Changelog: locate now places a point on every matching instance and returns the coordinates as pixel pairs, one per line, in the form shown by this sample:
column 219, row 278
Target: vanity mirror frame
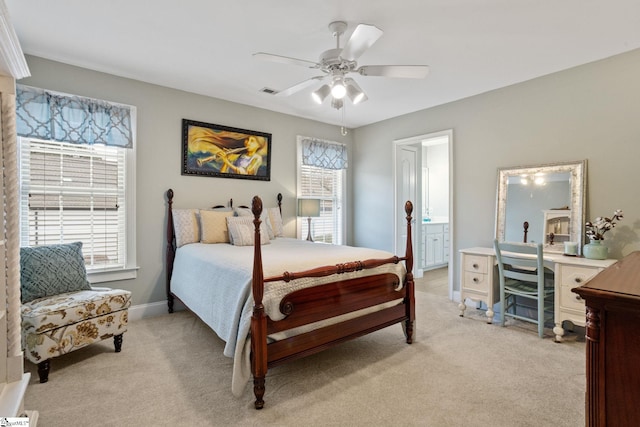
column 577, row 172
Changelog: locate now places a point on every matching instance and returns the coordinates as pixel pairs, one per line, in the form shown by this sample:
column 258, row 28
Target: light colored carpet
column 459, row 372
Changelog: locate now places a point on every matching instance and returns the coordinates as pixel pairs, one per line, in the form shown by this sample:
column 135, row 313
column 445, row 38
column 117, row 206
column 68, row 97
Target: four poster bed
column 245, row 290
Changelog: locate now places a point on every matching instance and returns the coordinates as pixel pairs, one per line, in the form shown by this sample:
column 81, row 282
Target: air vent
column 269, row 91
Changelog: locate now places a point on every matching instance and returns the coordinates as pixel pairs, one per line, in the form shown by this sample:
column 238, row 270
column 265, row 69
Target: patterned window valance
column 324, row 154
column 59, row 117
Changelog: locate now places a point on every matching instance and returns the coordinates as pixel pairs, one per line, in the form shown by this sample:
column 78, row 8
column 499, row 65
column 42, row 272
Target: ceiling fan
column 338, row 63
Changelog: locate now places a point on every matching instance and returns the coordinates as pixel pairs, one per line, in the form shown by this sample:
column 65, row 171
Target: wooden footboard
column 326, row 301
column 366, row 303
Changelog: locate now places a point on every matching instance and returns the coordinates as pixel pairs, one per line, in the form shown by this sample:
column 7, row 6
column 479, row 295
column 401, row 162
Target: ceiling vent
column 269, row 91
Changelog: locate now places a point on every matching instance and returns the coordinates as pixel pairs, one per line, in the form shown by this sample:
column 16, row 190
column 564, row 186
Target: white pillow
column 275, row 219
column 185, row 226
column 264, row 217
column 214, row 226
column 242, row 231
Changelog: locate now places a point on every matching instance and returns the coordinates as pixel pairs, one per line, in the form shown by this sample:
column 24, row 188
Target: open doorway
column 423, row 174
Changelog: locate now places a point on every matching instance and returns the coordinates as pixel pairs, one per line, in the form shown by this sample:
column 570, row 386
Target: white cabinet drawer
column 573, row 276
column 433, row 228
column 476, row 282
column 571, row 300
column 475, row 264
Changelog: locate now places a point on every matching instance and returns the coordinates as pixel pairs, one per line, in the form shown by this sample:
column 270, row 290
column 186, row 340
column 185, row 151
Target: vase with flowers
column 595, row 232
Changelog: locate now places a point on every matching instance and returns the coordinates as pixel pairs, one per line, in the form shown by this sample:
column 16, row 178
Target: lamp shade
column 320, row 94
column 355, row 94
column 308, row 207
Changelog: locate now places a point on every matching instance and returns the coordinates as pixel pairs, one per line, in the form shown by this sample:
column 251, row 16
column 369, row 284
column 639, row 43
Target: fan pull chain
column 343, row 129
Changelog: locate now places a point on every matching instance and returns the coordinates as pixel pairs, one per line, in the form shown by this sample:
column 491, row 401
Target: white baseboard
column 12, row 396
column 140, row 311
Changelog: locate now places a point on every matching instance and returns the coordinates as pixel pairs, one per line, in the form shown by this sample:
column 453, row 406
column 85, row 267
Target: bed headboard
column 171, row 239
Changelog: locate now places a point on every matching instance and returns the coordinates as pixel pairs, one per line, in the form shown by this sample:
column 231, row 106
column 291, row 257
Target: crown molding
column 12, row 60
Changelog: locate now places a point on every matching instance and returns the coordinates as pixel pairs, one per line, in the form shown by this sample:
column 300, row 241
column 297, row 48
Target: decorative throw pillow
column 275, row 219
column 243, row 212
column 264, row 217
column 185, row 226
column 52, row 270
column 214, row 226
column 242, row 231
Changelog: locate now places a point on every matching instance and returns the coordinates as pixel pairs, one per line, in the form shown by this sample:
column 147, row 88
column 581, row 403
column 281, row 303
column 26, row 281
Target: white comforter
column 214, row 281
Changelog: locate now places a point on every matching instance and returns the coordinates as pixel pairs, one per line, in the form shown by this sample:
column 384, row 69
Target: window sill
column 99, row 276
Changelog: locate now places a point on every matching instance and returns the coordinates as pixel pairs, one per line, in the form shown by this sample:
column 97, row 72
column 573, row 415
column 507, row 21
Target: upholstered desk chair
column 61, row 312
column 522, row 275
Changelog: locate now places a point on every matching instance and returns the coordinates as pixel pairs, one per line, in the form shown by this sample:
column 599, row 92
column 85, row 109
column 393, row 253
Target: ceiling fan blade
column 399, row 71
column 362, row 38
column 285, row 60
column 298, row 87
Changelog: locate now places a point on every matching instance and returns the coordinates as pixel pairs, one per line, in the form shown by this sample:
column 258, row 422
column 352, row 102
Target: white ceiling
column 206, row 46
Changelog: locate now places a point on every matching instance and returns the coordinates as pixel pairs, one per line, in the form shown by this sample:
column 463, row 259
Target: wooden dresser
column 613, row 344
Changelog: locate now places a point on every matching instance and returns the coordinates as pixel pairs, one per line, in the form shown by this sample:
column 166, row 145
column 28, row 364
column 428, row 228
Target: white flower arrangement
column 595, row 230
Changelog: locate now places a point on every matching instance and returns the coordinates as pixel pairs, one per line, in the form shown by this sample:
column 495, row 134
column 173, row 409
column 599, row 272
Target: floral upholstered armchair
column 61, row 312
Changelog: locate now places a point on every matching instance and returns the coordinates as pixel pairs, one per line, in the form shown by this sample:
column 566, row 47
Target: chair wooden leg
column 117, row 342
column 43, row 370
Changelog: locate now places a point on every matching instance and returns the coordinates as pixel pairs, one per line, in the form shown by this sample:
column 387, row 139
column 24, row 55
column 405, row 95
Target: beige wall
column 160, row 113
column 589, row 112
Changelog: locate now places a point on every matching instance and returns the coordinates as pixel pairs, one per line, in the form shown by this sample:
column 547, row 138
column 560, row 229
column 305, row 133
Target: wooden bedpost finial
column 408, row 207
column 256, row 206
column 170, row 195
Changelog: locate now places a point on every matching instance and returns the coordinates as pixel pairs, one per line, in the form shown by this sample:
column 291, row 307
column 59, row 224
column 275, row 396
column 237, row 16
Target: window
column 324, row 180
column 72, row 191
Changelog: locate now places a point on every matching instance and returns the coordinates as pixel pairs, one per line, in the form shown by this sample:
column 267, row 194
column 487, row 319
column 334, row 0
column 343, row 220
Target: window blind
column 72, row 192
column 326, row 185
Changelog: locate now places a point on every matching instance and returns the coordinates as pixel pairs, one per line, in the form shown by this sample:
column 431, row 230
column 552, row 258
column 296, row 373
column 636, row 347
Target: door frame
column 417, row 209
column 399, row 206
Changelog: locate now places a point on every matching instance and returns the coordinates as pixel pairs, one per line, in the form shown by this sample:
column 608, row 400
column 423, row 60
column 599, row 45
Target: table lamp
column 309, row 208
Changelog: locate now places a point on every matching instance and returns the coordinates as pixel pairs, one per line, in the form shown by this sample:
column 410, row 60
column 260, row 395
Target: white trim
column 12, row 396
column 100, row 276
column 414, row 140
column 12, row 60
column 143, row 311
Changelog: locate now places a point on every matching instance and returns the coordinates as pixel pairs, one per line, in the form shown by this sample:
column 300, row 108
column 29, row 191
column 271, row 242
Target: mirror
column 550, row 198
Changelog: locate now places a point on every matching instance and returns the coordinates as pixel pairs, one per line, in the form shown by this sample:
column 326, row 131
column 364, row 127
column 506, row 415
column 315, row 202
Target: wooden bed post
column 280, row 203
column 171, row 254
column 258, row 319
column 410, row 297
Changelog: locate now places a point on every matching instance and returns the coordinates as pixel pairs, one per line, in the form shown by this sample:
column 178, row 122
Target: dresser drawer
column 571, row 300
column 476, row 281
column 475, row 264
column 573, row 276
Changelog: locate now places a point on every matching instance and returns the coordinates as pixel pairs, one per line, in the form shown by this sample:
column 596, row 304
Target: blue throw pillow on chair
column 52, row 270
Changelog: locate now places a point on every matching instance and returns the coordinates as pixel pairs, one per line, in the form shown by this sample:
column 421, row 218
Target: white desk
column 479, row 282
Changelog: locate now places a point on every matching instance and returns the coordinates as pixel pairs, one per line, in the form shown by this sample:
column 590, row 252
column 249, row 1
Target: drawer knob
column 578, row 298
column 578, row 280
column 475, row 265
column 475, row 280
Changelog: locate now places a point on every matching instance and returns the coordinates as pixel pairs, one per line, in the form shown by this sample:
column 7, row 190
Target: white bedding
column 214, row 281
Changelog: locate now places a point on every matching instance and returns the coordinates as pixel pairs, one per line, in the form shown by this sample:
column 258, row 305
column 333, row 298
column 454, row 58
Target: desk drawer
column 476, row 281
column 475, row 264
column 571, row 300
column 573, row 276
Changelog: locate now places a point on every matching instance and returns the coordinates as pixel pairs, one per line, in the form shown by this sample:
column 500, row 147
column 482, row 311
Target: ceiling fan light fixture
column 337, row 103
column 320, row 94
column 338, row 89
column 354, row 92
